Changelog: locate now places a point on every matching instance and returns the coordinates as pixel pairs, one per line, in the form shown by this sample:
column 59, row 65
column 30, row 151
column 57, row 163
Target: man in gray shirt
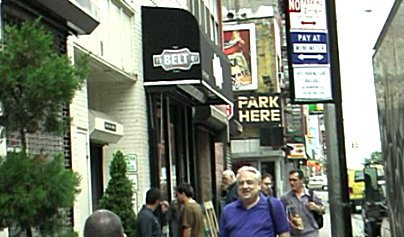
column 300, row 206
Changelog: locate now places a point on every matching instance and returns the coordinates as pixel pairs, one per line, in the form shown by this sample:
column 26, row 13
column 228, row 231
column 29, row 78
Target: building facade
column 109, row 111
column 140, row 98
column 158, row 90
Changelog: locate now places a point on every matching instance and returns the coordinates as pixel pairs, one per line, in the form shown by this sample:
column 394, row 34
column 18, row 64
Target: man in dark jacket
column 148, row 221
column 230, row 184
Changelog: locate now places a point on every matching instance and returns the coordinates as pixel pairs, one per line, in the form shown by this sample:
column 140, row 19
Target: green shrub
column 118, row 195
column 33, row 192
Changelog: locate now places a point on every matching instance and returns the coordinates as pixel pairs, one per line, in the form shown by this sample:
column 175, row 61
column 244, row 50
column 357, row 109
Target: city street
column 357, row 224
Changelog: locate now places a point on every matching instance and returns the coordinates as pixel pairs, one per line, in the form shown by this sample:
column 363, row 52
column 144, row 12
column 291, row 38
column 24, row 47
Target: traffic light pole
column 338, row 193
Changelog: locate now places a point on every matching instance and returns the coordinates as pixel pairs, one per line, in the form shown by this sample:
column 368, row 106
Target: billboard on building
column 240, row 48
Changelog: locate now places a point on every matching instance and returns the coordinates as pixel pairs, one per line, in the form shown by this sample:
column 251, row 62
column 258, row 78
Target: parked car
column 318, row 182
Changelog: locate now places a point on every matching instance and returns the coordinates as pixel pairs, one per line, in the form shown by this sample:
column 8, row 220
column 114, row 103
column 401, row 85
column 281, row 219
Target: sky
column 359, row 23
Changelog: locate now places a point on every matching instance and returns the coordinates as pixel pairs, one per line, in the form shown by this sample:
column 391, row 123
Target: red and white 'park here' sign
column 307, row 14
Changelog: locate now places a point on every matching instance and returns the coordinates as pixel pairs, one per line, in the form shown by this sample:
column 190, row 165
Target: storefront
column 185, row 77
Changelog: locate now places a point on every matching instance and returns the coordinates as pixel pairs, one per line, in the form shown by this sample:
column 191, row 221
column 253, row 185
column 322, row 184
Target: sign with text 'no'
column 307, row 14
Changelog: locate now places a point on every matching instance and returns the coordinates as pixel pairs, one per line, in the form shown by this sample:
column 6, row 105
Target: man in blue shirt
column 250, row 214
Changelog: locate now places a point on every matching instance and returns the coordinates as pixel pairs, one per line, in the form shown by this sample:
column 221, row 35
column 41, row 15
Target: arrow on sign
column 304, row 56
column 308, row 23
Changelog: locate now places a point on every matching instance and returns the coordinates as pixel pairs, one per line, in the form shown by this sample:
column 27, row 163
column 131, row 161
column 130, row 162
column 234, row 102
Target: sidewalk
column 357, row 223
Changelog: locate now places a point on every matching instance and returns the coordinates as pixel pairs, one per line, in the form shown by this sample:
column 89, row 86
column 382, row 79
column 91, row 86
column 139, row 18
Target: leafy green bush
column 33, row 190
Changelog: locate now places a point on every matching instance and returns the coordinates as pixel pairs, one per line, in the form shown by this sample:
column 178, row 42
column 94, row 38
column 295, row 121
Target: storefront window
column 171, row 132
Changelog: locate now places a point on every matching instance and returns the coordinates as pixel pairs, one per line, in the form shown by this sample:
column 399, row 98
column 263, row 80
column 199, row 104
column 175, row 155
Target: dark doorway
column 97, row 186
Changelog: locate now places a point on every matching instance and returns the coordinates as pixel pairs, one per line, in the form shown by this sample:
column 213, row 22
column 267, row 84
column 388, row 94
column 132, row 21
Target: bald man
column 103, row 223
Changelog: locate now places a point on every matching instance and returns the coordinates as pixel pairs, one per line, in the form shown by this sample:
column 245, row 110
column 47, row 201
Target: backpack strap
column 311, row 195
column 271, row 213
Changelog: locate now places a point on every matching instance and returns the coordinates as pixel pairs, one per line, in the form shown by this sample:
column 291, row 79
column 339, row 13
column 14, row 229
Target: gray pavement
column 357, row 224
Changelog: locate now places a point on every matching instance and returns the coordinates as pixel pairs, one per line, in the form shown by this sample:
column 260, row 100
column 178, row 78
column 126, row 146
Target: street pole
column 340, row 212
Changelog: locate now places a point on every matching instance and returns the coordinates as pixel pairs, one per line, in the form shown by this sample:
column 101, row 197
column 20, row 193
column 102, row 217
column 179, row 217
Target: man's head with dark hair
column 185, row 193
column 299, row 173
column 266, row 184
column 186, row 189
column 296, row 180
column 266, row 175
column 153, row 196
column 103, row 223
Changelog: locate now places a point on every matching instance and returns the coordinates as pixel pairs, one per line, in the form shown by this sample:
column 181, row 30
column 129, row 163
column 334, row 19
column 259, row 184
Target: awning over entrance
column 177, row 54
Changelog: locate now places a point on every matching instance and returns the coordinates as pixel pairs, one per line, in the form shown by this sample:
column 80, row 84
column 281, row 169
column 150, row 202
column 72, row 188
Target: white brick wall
column 80, row 151
column 126, row 102
column 141, row 130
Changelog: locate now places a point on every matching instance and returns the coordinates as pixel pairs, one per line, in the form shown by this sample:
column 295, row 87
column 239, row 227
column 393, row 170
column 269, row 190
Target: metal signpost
column 315, row 78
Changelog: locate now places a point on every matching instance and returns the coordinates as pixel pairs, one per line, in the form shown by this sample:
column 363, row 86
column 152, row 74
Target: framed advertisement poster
column 240, row 48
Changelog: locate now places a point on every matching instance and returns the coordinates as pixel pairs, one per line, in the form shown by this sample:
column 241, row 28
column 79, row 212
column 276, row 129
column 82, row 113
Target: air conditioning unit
column 104, row 128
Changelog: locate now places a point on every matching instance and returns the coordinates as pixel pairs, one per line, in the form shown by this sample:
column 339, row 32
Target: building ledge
column 248, row 148
column 80, row 15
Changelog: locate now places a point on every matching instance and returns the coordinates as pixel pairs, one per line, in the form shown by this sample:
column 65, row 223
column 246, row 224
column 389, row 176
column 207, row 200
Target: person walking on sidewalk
column 229, row 185
column 301, row 205
column 266, row 184
column 253, row 214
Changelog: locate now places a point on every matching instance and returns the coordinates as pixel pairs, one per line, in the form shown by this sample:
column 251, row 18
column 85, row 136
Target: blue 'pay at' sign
column 309, row 48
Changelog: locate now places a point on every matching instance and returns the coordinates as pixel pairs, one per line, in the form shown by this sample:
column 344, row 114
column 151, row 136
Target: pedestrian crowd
column 250, row 209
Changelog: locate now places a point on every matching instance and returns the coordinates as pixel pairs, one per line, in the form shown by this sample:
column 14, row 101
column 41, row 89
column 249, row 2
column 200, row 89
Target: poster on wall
column 240, row 48
column 297, row 151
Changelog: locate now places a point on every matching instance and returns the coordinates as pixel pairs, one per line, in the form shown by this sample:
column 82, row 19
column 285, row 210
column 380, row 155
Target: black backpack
column 318, row 217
